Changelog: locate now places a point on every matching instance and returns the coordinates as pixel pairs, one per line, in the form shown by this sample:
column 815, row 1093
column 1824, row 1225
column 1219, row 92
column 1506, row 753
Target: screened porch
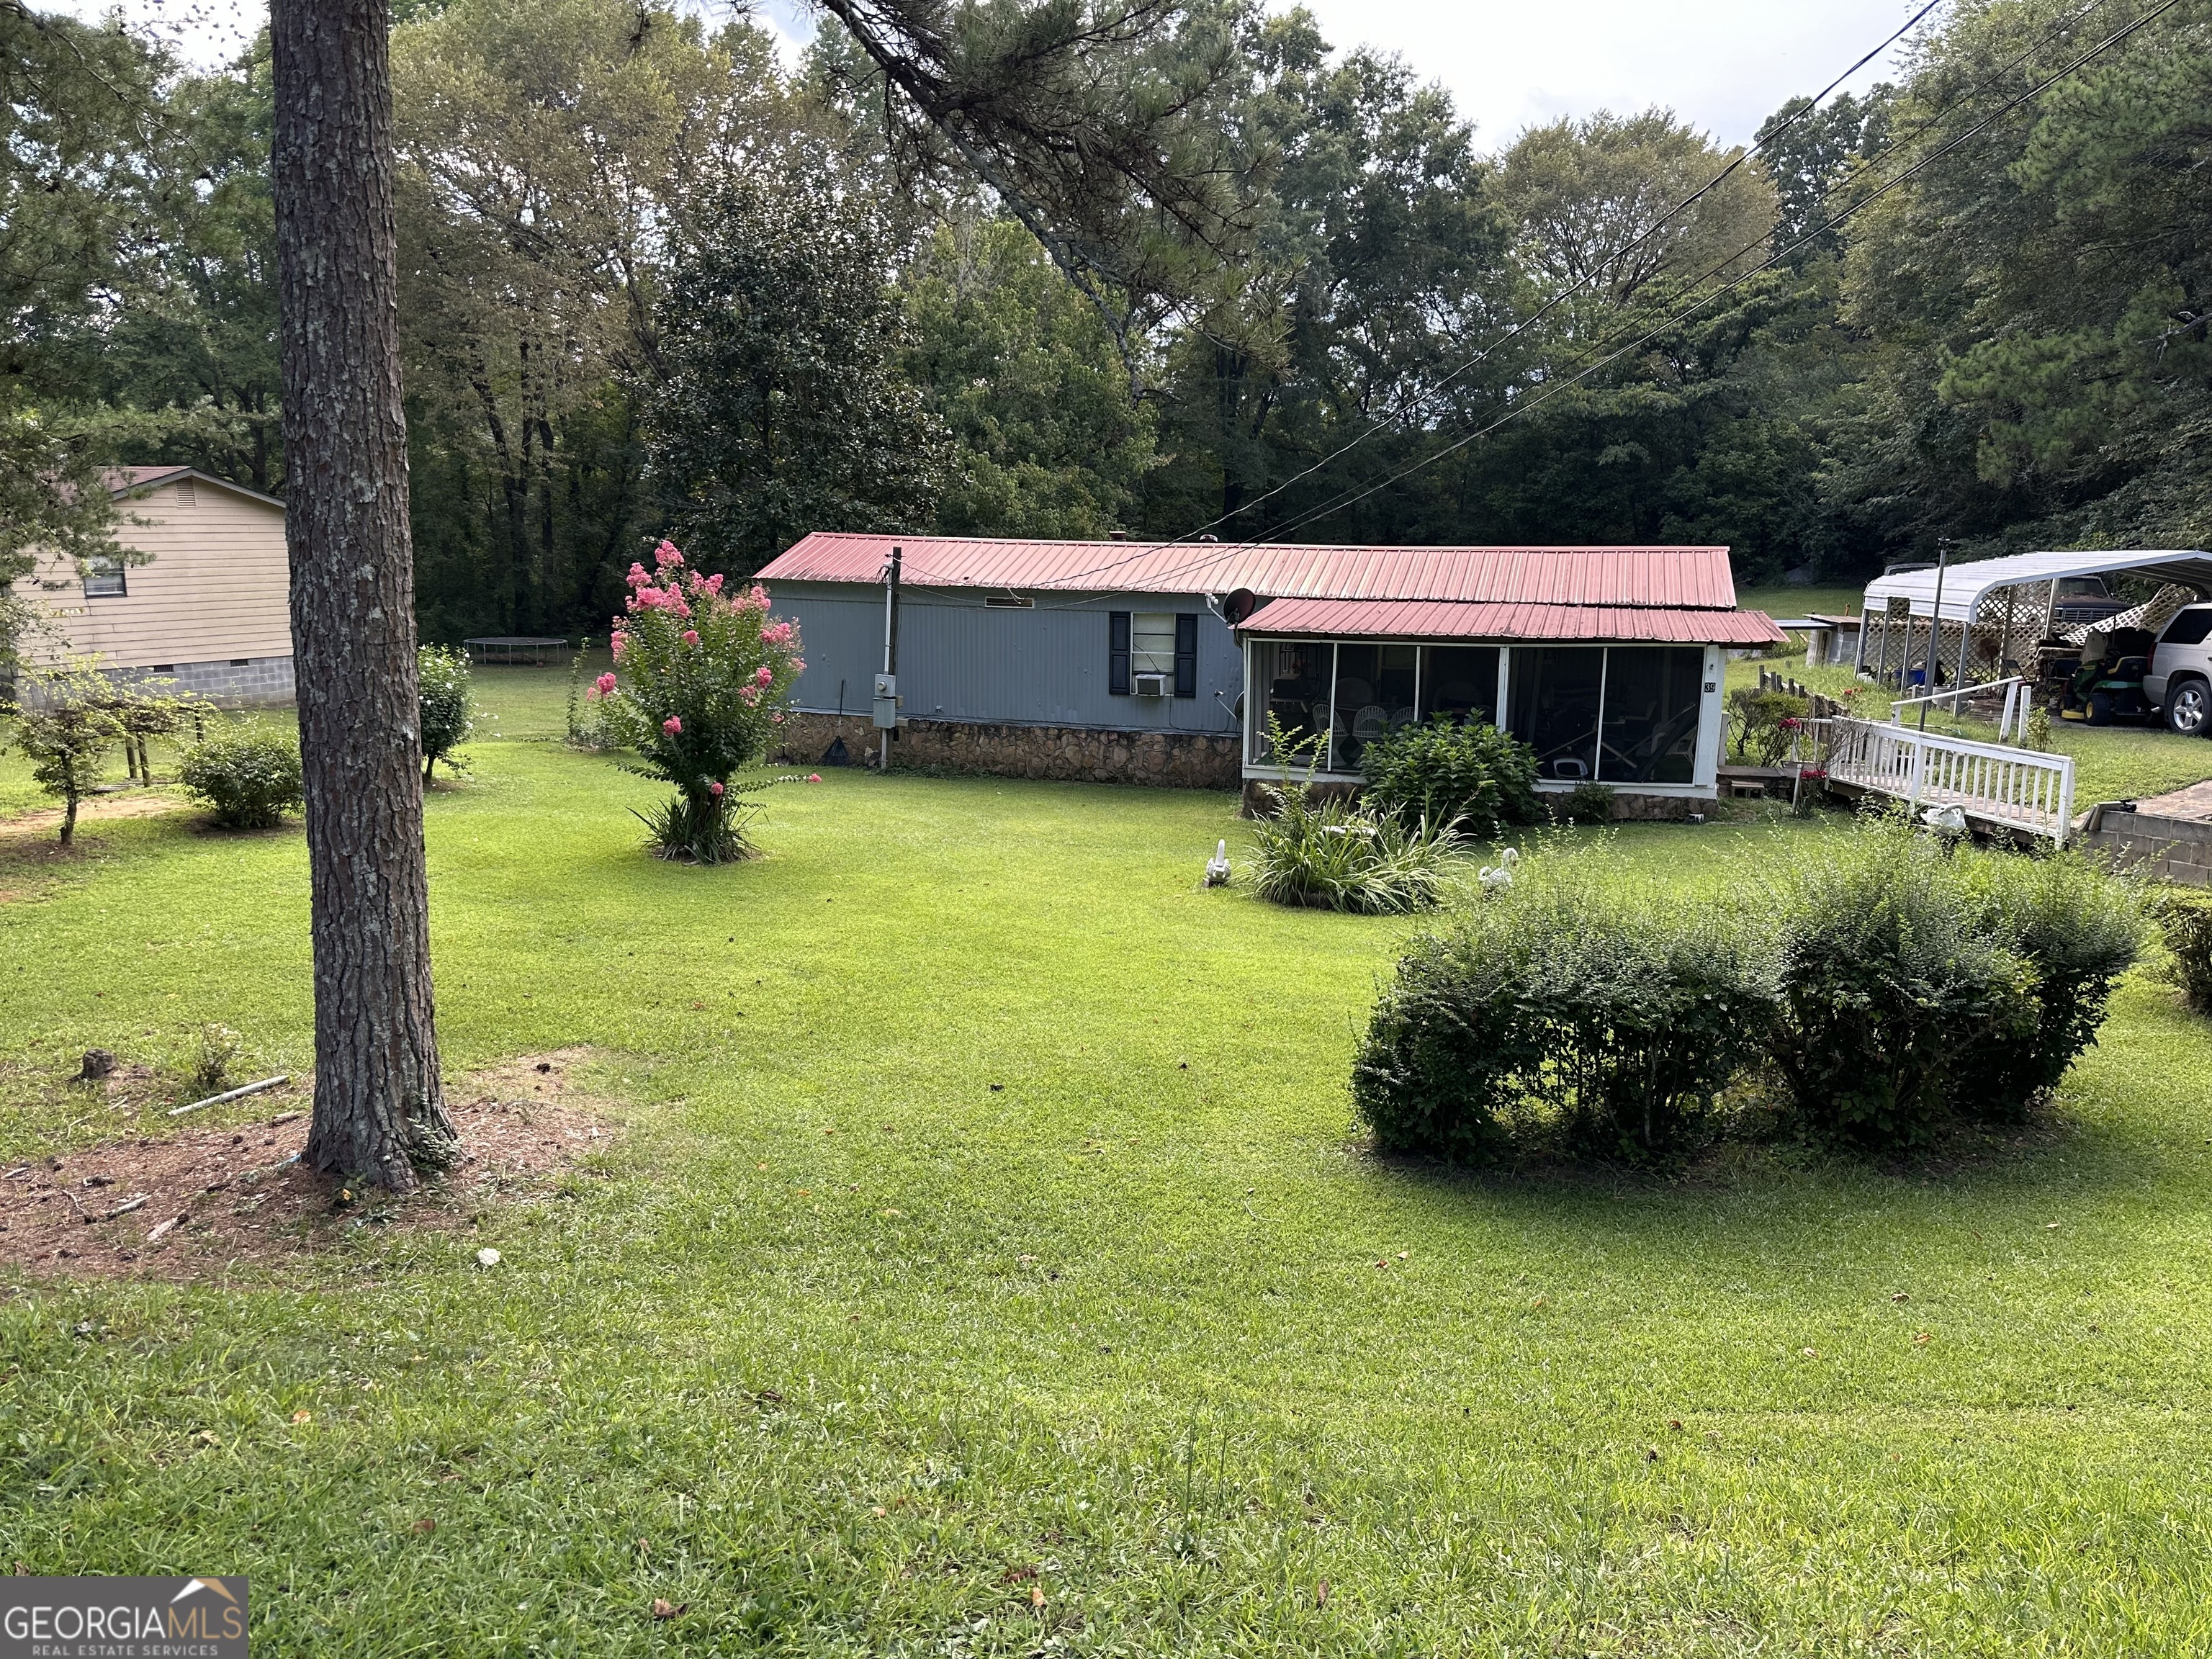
column 1639, row 717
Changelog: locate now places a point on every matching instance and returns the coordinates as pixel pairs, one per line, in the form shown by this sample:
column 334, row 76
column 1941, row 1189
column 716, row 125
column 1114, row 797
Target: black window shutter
column 1187, row 654
column 1117, row 652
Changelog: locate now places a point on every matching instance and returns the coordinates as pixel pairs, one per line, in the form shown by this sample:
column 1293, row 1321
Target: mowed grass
column 990, row 1266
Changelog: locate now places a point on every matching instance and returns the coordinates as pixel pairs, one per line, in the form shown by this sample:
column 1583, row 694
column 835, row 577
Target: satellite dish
column 1239, row 605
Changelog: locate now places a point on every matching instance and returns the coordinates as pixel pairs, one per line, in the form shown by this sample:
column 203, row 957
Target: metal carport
column 1993, row 609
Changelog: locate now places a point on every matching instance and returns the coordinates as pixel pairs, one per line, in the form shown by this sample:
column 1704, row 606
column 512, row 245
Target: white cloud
column 1723, row 65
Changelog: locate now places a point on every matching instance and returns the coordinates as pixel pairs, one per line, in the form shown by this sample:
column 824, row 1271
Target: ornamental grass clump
column 1570, row 1012
column 701, row 680
column 1335, row 855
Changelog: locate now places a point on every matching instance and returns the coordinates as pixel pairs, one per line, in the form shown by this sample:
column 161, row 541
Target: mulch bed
column 195, row 1205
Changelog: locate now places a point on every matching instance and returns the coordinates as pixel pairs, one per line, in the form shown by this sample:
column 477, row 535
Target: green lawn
column 842, row 1340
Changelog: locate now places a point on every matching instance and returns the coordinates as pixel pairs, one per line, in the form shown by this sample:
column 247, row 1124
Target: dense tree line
column 1169, row 268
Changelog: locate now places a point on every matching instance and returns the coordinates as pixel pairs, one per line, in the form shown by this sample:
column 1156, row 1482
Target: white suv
column 2180, row 677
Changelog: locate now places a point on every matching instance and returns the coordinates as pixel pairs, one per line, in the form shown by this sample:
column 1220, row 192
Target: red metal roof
column 1694, row 577
column 1434, row 620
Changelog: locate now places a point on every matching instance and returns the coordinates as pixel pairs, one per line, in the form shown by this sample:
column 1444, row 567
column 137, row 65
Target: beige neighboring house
column 211, row 609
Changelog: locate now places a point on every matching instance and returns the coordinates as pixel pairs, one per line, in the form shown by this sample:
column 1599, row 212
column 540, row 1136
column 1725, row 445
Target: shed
column 209, row 608
column 1118, row 661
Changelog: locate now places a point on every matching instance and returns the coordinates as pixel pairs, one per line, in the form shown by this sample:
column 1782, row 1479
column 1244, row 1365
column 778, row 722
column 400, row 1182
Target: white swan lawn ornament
column 1216, row 867
column 1496, row 878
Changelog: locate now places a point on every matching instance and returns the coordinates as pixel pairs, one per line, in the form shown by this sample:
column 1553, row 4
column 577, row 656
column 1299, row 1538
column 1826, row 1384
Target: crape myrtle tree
column 379, row 1112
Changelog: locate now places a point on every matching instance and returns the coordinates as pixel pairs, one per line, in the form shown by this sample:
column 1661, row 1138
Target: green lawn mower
column 2110, row 690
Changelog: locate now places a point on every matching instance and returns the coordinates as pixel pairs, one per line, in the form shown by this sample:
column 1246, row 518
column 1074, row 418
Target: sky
column 1722, row 64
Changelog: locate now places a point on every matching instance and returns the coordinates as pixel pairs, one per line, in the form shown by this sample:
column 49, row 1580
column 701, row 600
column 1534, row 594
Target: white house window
column 103, row 578
column 1153, row 642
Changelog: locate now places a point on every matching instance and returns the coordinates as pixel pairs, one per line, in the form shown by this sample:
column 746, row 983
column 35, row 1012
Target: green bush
column 1571, row 1009
column 1586, row 803
column 446, row 703
column 1921, row 982
column 2186, row 921
column 1449, row 769
column 1757, row 718
column 1336, row 855
column 247, row 772
column 2077, row 929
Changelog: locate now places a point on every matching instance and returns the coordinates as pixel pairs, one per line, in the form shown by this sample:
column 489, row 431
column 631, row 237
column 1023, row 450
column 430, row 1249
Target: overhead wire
column 1352, row 497
column 1424, row 398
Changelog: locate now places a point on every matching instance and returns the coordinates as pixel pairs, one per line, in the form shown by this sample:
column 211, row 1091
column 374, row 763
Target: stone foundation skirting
column 1184, row 760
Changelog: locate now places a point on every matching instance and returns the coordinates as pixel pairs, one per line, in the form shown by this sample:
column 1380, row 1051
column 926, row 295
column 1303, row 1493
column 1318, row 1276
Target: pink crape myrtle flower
column 776, row 634
column 814, row 777
column 637, row 578
column 605, row 684
column 672, row 725
column 713, row 584
column 691, row 636
column 621, row 643
column 763, row 674
column 666, row 554
column 715, row 790
column 799, row 664
column 758, row 597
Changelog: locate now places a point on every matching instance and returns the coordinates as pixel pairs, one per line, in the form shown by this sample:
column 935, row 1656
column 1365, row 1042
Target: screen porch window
column 1374, row 693
column 1618, row 714
column 1459, row 682
column 1291, row 680
column 103, row 578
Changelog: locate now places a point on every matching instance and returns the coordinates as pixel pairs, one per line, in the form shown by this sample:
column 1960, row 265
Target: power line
column 1604, row 263
column 1352, row 498
column 1414, row 404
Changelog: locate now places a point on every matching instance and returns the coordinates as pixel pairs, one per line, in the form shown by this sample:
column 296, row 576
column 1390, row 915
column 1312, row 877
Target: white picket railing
column 1999, row 785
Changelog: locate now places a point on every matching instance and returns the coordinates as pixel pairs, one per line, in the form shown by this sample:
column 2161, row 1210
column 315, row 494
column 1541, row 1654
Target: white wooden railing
column 2011, row 788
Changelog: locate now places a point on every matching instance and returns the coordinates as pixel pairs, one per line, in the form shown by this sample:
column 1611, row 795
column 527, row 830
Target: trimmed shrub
column 1586, row 803
column 2077, row 929
column 446, row 702
column 1892, row 975
column 1334, row 855
column 1571, row 1010
column 1764, row 722
column 247, row 773
column 1449, row 769
column 2187, row 925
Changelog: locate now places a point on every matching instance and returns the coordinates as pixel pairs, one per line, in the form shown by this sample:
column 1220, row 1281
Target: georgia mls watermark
column 122, row 1619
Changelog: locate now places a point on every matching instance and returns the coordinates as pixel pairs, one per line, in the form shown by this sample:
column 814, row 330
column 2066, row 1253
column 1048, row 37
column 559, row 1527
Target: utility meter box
column 887, row 702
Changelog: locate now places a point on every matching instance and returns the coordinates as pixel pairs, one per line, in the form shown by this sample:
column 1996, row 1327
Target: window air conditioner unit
column 1151, row 685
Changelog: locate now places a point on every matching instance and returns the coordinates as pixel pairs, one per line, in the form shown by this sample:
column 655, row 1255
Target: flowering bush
column 701, row 679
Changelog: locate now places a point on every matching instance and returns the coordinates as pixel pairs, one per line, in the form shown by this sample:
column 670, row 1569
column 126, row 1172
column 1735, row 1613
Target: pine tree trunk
column 379, row 1112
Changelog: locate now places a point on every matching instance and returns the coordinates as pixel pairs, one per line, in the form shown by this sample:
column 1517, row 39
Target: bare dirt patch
column 47, row 820
column 195, row 1205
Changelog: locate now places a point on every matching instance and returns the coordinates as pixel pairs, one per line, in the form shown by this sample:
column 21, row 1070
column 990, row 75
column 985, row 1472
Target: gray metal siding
column 960, row 659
